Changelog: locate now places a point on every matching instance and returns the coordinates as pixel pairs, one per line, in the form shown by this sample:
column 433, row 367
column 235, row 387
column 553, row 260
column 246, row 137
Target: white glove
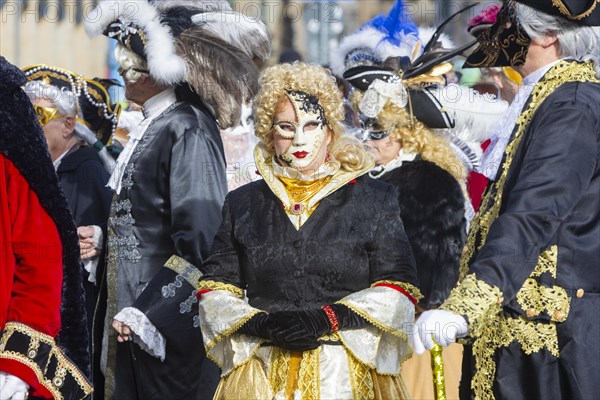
column 440, row 326
column 12, row 388
column 84, row 133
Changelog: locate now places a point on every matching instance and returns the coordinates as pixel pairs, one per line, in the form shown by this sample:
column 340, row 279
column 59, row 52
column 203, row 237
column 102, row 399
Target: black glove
column 347, row 318
column 299, row 330
column 259, row 325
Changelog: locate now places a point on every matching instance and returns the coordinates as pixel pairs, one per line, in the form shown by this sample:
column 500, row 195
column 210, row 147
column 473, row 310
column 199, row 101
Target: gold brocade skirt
column 295, row 376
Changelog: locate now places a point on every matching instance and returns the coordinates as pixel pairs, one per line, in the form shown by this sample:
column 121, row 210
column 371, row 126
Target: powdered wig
column 63, row 99
column 577, row 42
column 315, row 80
column 128, row 59
column 417, row 138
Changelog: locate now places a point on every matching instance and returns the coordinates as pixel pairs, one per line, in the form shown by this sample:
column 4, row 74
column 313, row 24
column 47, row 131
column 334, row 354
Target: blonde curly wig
column 315, row 80
column 418, row 139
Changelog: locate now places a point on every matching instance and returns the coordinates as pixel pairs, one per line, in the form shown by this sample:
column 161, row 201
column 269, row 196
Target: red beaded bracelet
column 333, row 320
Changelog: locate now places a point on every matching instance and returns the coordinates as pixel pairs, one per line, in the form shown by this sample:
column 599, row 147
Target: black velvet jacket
column 172, row 190
column 83, row 179
column 432, row 207
column 354, row 238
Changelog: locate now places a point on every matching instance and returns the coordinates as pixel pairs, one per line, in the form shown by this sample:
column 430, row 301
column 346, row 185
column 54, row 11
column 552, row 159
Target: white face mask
column 307, row 132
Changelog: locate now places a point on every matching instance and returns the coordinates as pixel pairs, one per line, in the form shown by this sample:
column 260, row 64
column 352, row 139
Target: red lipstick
column 300, row 154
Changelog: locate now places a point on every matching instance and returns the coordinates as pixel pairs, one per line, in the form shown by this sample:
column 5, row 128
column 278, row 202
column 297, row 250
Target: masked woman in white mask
column 307, row 293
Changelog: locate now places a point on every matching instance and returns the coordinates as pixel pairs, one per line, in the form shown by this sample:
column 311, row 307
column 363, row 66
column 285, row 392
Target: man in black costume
column 71, row 108
column 191, row 75
column 529, row 293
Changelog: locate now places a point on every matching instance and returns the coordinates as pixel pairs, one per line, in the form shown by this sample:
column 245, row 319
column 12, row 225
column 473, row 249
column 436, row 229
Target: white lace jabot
column 153, row 107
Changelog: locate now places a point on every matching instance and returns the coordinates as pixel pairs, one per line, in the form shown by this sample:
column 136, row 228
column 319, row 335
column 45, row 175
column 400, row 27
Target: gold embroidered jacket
column 531, row 277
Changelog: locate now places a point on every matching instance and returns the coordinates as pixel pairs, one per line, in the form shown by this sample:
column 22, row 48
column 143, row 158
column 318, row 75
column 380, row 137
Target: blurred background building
column 51, row 31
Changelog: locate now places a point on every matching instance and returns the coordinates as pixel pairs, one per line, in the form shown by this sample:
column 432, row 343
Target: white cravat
column 153, row 107
column 503, row 128
column 380, row 170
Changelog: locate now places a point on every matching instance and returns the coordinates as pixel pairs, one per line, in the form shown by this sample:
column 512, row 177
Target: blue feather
column 395, row 26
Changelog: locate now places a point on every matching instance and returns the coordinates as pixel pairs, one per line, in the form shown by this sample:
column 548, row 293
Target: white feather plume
column 164, row 64
column 365, row 38
column 374, row 40
column 248, row 34
column 473, row 113
column 426, row 32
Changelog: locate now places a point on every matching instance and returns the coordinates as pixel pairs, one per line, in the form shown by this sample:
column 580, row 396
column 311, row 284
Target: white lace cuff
column 383, row 344
column 146, row 335
column 221, row 315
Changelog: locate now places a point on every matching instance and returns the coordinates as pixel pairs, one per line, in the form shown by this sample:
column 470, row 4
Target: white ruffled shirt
column 503, row 128
column 153, row 107
column 144, row 332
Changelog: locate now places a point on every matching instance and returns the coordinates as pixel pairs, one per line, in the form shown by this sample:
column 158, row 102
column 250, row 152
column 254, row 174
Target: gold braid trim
column 380, row 325
column 360, row 378
column 565, row 11
column 498, row 332
column 64, row 365
column 14, row 326
column 283, row 376
column 47, row 383
column 216, row 285
column 411, row 289
column 231, row 330
column 547, row 262
column 401, row 361
column 535, row 299
column 309, row 379
column 187, row 270
column 280, row 364
column 473, row 298
column 559, row 74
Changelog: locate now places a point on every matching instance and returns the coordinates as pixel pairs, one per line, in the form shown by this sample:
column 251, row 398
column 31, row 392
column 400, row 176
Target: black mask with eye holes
column 372, row 128
column 503, row 44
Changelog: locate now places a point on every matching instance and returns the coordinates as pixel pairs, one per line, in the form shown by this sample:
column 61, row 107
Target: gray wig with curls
column 581, row 43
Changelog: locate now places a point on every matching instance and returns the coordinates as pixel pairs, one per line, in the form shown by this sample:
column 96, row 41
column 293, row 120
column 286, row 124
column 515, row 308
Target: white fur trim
column 373, row 39
column 164, row 64
column 368, row 38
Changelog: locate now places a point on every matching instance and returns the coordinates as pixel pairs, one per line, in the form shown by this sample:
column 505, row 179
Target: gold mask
column 45, row 114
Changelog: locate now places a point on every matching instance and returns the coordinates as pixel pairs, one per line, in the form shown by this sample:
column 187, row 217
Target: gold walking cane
column 437, row 368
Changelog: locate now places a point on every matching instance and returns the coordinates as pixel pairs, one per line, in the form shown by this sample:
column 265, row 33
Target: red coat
column 476, row 183
column 31, row 271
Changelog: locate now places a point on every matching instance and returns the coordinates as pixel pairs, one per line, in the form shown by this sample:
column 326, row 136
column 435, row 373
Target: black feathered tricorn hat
column 91, row 98
column 409, row 83
column 581, row 12
column 202, row 43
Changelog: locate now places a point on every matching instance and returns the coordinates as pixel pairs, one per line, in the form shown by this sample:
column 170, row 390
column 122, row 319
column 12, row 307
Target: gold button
column 580, row 293
column 558, row 316
column 530, row 312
